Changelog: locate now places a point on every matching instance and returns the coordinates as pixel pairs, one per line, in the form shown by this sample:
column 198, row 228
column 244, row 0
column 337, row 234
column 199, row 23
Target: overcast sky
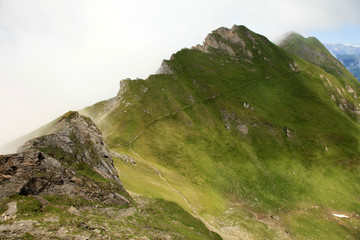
column 61, row 55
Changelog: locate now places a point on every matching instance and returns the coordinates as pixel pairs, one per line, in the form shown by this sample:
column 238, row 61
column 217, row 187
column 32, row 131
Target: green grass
column 154, row 219
column 85, row 170
column 214, row 167
column 28, row 236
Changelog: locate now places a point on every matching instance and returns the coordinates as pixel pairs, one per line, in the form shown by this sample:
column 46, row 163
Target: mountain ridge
column 348, row 55
column 202, row 88
column 258, row 141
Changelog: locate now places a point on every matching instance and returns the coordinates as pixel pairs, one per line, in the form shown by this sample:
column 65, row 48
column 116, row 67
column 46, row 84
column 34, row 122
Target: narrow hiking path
column 168, row 115
column 225, row 236
column 195, row 213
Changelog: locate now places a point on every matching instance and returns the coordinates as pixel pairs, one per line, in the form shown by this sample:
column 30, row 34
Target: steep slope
column 252, row 140
column 64, row 186
column 70, row 161
column 313, row 51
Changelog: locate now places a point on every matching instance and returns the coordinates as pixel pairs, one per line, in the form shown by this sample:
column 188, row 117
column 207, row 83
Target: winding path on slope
column 225, row 236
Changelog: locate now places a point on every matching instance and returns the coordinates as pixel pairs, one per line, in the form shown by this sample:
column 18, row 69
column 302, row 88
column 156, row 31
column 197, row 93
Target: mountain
column 64, row 185
column 348, row 55
column 255, row 140
column 342, row 49
column 239, row 128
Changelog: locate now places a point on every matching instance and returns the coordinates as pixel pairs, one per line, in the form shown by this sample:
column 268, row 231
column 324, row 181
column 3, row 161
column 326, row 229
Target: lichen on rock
column 72, row 160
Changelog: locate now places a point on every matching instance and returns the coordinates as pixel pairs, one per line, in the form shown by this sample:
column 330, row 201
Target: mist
column 64, row 55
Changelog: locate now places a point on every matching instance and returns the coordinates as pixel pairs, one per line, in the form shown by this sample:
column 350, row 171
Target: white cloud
column 65, row 54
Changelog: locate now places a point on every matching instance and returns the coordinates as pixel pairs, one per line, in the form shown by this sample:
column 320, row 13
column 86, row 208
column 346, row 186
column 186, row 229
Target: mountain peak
column 230, row 41
column 72, row 160
column 312, row 50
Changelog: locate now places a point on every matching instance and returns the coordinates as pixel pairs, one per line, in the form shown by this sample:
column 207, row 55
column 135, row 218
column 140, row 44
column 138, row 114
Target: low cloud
column 67, row 54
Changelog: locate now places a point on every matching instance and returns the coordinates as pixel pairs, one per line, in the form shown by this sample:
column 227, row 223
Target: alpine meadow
column 237, row 138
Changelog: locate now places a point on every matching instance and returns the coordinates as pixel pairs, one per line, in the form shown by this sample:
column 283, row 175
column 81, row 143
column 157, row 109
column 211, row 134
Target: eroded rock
column 73, row 160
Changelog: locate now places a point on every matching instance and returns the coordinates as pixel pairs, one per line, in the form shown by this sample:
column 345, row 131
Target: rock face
column 228, row 41
column 73, row 160
column 124, row 87
column 164, row 68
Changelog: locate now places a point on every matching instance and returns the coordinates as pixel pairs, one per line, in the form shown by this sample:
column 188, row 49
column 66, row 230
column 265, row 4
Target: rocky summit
column 73, row 161
column 63, row 185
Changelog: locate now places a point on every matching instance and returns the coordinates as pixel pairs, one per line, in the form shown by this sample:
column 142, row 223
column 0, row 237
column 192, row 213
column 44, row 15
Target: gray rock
column 10, row 213
column 288, row 132
column 164, row 68
column 227, row 40
column 52, row 164
column 74, row 211
column 243, row 129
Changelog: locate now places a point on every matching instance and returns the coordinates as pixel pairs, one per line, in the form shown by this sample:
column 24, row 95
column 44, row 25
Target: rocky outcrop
column 124, row 87
column 228, row 41
column 73, row 160
column 164, row 68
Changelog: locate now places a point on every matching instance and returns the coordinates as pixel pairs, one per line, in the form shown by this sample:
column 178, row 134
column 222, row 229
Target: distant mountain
column 342, row 49
column 348, row 55
column 312, row 50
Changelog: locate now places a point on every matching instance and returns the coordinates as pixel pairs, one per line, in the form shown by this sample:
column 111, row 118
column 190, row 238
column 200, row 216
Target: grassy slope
column 152, row 219
column 232, row 178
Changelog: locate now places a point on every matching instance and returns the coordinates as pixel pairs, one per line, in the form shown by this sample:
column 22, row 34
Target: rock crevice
column 73, row 160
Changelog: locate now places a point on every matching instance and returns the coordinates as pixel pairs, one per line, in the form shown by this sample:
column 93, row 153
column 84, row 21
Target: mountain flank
column 254, row 140
column 243, row 129
column 64, row 185
column 67, row 162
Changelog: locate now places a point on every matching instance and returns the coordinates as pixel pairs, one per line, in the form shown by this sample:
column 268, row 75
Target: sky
column 61, row 55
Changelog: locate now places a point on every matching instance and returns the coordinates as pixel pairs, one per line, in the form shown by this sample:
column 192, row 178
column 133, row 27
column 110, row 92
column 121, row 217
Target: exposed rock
column 144, row 89
column 191, row 98
column 246, row 105
column 230, row 35
column 62, row 163
column 288, row 132
column 10, row 213
column 164, row 68
column 243, row 129
column 122, row 156
column 349, row 89
column 43, row 201
column 124, row 87
column 74, row 211
column 212, row 42
column 338, row 91
column 344, row 103
column 294, row 67
column 233, row 119
column 16, row 229
column 341, row 107
column 79, row 140
column 227, row 40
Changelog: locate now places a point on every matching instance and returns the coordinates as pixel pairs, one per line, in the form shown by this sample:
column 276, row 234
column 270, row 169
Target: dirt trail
column 225, row 236
column 207, row 224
